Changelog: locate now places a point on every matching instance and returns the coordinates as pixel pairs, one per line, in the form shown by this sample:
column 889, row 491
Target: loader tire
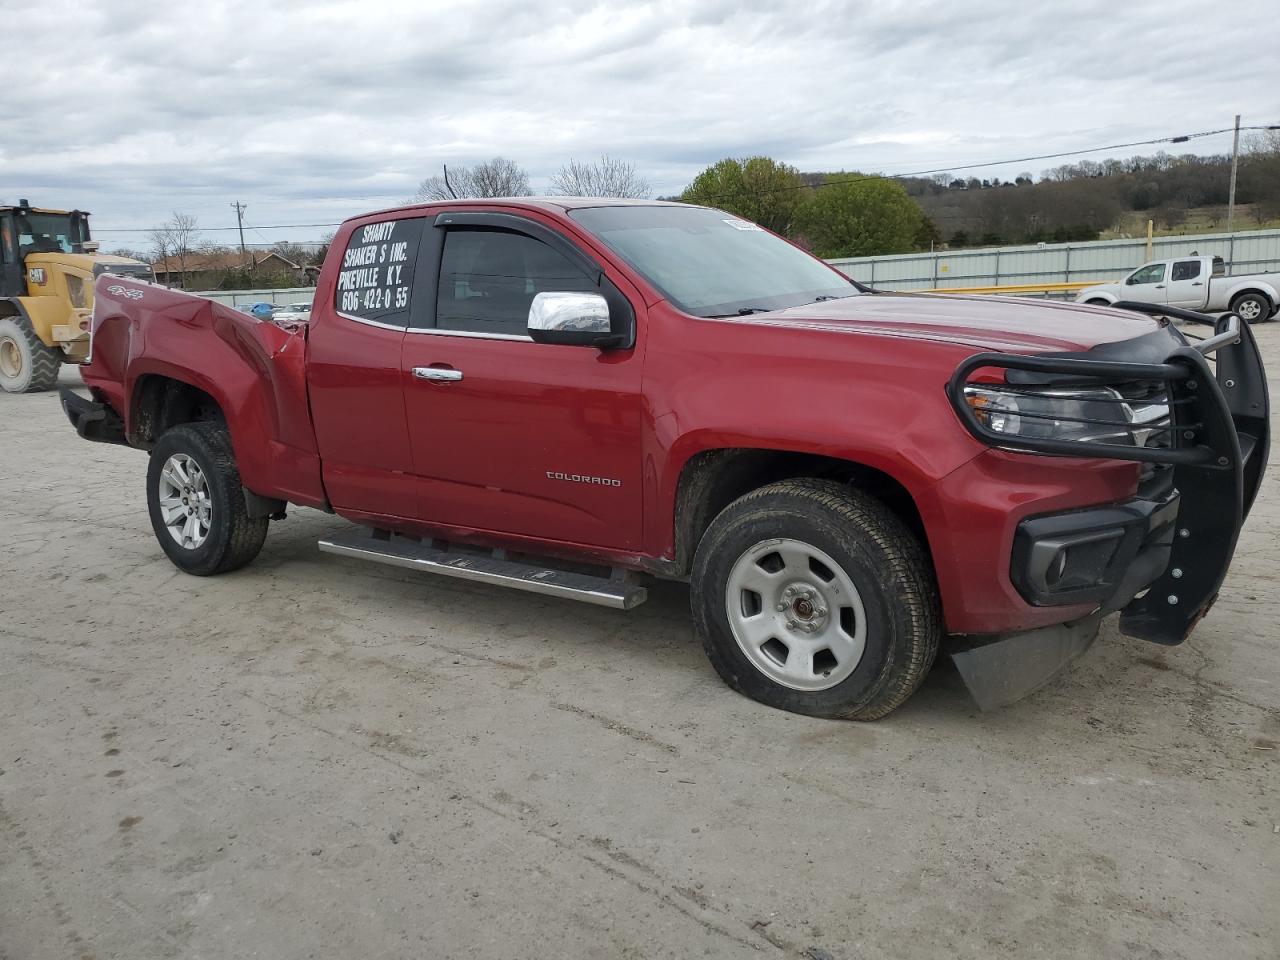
column 26, row 364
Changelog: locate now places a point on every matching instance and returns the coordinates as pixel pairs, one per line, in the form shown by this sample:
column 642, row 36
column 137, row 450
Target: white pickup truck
column 1194, row 283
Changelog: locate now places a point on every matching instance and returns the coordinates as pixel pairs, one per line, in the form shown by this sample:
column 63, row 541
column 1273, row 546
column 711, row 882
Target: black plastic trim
column 92, row 420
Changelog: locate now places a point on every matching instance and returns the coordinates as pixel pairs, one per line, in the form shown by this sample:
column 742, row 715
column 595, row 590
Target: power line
column 265, row 226
column 1182, row 138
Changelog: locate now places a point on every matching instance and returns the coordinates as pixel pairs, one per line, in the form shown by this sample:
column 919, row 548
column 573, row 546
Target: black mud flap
column 92, row 420
column 1004, row 670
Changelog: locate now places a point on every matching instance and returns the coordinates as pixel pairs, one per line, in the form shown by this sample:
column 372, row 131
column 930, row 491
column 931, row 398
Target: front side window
column 1151, row 273
column 1186, row 270
column 377, row 272
column 488, row 279
column 710, row 263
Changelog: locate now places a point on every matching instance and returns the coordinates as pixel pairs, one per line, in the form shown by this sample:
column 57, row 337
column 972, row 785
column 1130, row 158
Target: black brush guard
column 1218, row 438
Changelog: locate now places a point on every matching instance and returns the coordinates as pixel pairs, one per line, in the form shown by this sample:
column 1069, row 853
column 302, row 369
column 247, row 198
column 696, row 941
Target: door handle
column 1198, row 283
column 437, row 373
column 1159, row 286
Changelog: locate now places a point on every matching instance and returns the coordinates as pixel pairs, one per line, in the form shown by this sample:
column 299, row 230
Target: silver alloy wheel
column 796, row 615
column 185, row 505
column 1249, row 309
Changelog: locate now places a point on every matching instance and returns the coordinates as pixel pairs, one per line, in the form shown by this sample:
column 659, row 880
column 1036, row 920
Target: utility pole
column 1235, row 163
column 240, row 209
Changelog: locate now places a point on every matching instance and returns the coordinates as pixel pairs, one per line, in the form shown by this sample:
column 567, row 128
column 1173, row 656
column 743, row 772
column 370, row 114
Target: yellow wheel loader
column 48, row 266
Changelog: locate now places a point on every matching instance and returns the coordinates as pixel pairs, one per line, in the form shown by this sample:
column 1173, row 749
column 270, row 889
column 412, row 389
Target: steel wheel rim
column 10, row 357
column 1249, row 309
column 796, row 615
column 186, row 509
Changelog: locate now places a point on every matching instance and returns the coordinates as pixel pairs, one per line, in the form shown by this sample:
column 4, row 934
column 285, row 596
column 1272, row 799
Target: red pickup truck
column 562, row 395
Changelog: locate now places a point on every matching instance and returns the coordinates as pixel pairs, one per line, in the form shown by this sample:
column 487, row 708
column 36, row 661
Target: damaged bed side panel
column 254, row 370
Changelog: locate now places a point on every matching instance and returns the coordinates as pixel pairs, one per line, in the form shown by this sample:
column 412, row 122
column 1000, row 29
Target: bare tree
column 608, row 177
column 161, row 244
column 293, row 252
column 498, row 177
column 182, row 229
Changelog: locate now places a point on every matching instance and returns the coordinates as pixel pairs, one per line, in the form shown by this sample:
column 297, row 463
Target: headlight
column 1097, row 415
column 77, row 291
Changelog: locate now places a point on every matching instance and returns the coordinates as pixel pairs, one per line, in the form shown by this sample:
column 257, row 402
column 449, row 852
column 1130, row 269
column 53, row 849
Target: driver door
column 1147, row 284
column 511, row 436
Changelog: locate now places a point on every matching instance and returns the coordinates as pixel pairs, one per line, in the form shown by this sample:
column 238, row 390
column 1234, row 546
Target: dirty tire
column 1252, row 307
column 234, row 539
column 881, row 557
column 26, row 364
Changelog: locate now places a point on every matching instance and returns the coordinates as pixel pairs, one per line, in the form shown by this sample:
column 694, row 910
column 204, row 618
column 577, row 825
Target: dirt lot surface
column 318, row 757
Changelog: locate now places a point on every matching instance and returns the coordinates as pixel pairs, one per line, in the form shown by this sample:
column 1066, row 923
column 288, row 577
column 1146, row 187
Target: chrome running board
column 619, row 591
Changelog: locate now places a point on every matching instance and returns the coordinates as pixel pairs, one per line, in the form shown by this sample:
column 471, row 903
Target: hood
column 1010, row 324
column 91, row 263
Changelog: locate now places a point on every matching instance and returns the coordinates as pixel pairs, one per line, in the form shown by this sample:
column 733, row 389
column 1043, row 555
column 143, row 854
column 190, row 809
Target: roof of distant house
column 200, row 262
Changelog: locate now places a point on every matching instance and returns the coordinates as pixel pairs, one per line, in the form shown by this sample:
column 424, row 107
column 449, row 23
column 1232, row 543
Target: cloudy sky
column 312, row 112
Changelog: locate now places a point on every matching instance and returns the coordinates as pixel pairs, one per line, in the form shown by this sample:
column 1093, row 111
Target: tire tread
column 905, row 564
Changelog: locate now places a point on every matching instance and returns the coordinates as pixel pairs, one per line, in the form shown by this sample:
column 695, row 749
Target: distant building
column 212, row 270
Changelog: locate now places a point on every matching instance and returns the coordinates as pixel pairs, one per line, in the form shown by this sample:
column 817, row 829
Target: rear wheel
column 1251, row 307
column 814, row 597
column 26, row 364
column 197, row 505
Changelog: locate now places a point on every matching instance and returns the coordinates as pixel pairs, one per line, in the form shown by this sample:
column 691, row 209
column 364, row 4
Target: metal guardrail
column 1014, row 289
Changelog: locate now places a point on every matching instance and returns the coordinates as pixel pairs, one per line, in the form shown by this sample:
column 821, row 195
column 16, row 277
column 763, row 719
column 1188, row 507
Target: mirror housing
column 576, row 319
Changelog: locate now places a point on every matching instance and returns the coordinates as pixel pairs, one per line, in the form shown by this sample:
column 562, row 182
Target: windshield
column 710, row 263
column 49, row 233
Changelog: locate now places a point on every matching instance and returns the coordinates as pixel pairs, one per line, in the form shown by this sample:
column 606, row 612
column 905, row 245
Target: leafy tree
column 856, row 216
column 498, row 177
column 608, row 177
column 755, row 188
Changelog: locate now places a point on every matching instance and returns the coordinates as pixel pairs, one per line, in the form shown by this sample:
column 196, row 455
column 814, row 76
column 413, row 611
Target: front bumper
column 1104, row 555
column 1160, row 558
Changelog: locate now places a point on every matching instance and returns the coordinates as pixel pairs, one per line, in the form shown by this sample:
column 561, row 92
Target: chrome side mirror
column 575, row 319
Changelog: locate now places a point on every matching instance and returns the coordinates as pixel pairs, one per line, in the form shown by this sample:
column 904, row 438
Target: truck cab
column 1193, row 282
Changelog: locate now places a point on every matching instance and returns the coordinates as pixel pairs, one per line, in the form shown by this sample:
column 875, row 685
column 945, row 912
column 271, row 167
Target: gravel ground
column 316, row 757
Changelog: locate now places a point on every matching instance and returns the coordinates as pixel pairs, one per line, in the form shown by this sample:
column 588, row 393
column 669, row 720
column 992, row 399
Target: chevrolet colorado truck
column 1193, row 283
column 564, row 395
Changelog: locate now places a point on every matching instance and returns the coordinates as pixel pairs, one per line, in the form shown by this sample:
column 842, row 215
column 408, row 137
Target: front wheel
column 814, row 597
column 1098, row 302
column 1251, row 307
column 26, row 364
column 197, row 505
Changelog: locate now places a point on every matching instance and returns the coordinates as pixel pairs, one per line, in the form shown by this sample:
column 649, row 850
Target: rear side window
column 488, row 279
column 377, row 272
column 1186, row 270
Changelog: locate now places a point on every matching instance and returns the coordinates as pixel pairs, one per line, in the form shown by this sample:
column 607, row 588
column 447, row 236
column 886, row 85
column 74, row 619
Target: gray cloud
column 314, row 112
